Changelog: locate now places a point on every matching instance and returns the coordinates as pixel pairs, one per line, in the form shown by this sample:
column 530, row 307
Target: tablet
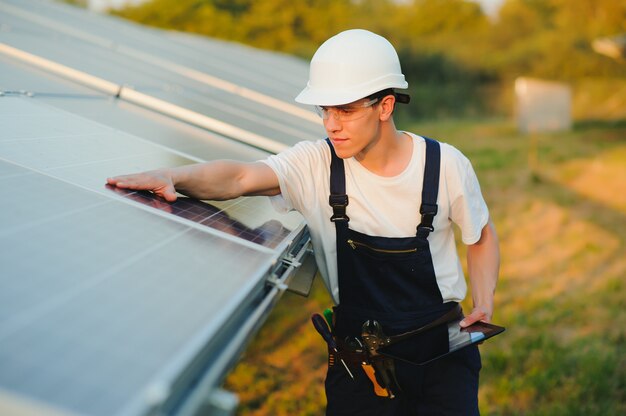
column 439, row 341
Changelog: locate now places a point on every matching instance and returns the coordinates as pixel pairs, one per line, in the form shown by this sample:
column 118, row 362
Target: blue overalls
column 392, row 280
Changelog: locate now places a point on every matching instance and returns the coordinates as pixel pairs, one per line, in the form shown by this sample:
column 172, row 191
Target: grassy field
column 559, row 204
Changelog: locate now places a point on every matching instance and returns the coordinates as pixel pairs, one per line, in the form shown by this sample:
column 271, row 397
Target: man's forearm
column 483, row 263
column 216, row 180
column 224, row 179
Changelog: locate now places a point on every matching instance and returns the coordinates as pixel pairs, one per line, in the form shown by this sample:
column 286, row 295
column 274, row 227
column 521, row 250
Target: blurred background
column 534, row 93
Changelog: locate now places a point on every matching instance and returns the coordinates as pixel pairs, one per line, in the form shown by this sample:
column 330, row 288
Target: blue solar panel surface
column 115, row 302
column 116, row 284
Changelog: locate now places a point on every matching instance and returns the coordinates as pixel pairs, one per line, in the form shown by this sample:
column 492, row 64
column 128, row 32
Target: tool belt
column 364, row 352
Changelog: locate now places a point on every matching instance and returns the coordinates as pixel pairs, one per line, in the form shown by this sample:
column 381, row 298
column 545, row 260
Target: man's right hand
column 159, row 182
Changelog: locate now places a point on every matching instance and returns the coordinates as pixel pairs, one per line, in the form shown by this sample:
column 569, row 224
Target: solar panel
column 114, row 302
column 127, row 117
column 277, row 75
column 106, row 283
column 167, row 72
column 270, row 234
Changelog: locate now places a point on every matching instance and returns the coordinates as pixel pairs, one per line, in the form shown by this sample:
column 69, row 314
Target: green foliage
column 451, row 53
column 279, row 25
column 552, row 38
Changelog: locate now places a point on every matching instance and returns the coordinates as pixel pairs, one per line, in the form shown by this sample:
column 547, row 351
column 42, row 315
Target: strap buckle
column 339, row 204
column 428, row 212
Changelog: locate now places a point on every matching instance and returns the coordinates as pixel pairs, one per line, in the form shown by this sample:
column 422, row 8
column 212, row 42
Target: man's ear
column 387, row 104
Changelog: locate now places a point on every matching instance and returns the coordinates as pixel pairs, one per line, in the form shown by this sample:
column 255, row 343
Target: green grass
column 561, row 293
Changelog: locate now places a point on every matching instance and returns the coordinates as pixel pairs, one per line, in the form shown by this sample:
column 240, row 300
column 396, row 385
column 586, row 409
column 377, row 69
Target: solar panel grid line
column 158, row 212
column 202, row 104
column 89, row 125
column 95, row 21
column 7, row 173
column 227, row 86
column 233, row 113
column 180, row 153
column 213, row 317
column 122, row 42
column 261, row 119
column 289, row 72
column 199, row 394
column 201, row 120
column 129, row 31
column 168, row 380
column 242, row 111
column 219, row 105
column 19, row 227
column 147, row 101
column 245, row 61
column 220, row 363
column 188, row 72
column 206, row 226
column 8, row 139
column 44, row 84
column 59, row 27
column 132, row 119
column 18, row 320
column 194, row 216
column 91, row 163
column 80, row 150
column 39, row 153
column 81, row 77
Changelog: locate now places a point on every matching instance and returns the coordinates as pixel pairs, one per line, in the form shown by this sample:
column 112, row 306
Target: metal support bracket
column 274, row 281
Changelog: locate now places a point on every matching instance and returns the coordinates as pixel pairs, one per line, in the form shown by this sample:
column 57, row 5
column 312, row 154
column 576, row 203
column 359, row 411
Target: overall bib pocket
column 396, row 273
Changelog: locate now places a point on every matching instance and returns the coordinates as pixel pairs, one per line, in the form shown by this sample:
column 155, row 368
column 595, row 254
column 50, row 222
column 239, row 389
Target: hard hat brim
column 315, row 96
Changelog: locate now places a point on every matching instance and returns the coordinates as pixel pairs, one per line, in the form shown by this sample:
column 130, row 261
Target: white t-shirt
column 383, row 206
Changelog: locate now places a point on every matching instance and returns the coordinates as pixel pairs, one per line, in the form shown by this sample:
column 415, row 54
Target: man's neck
column 389, row 154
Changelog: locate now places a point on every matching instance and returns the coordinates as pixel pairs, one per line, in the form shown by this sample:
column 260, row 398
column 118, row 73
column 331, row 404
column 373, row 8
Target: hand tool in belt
column 374, row 339
column 354, row 347
column 385, row 341
column 372, row 335
column 320, row 325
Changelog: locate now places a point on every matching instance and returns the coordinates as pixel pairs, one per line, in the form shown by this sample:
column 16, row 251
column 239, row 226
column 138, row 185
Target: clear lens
column 345, row 112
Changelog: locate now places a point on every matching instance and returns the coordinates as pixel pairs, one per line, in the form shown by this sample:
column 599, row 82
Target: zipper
column 355, row 244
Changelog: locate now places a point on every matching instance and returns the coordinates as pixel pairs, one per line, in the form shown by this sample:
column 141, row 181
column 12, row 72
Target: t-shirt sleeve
column 467, row 206
column 301, row 172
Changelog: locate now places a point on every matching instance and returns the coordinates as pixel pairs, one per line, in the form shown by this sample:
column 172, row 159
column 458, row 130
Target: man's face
column 352, row 128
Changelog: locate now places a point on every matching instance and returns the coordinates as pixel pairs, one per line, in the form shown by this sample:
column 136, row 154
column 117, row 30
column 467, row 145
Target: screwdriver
column 320, row 325
column 328, row 314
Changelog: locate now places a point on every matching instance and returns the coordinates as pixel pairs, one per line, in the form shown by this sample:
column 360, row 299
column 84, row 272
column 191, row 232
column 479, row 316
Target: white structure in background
column 542, row 105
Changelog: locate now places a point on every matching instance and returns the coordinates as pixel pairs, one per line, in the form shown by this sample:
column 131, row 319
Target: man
column 379, row 204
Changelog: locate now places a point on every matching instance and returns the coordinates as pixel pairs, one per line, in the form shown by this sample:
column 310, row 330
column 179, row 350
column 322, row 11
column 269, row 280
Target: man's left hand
column 478, row 314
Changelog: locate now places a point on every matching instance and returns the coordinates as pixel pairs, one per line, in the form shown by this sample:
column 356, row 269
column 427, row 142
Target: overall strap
column 430, row 188
column 338, row 199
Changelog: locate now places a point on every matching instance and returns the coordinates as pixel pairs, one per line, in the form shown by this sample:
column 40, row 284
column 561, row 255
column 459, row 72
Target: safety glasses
column 347, row 112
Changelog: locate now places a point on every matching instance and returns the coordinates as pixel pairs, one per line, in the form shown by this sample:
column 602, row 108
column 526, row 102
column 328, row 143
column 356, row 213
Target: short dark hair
column 400, row 97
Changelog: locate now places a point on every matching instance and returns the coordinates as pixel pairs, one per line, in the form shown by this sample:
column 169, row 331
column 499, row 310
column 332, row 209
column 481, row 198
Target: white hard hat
column 349, row 66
